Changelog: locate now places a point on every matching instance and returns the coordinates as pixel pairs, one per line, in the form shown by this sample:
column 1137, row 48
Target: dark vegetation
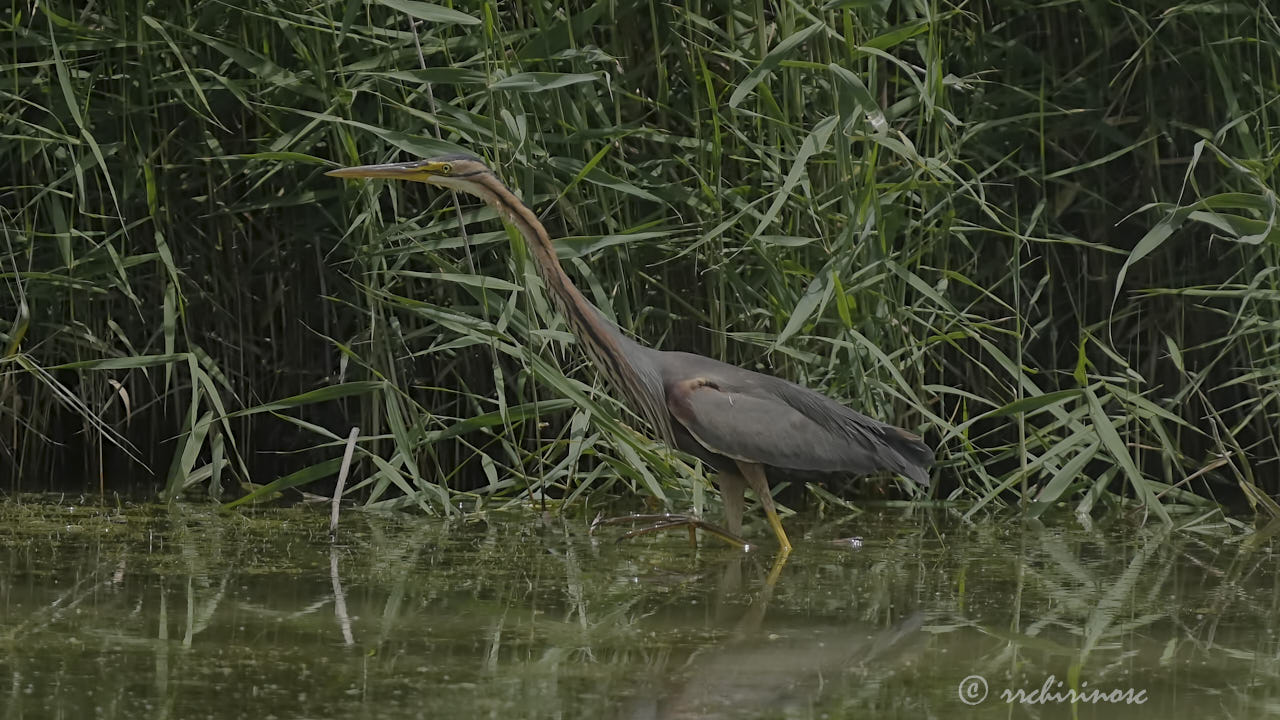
column 1042, row 233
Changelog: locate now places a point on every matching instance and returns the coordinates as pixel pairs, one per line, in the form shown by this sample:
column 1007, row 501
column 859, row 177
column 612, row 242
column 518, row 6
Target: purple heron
column 744, row 425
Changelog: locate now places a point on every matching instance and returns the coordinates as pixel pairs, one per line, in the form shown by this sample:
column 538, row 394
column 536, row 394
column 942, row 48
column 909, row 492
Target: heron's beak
column 415, row 170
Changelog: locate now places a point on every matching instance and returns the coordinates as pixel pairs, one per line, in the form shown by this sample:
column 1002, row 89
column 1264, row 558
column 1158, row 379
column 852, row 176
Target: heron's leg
column 731, row 488
column 754, row 473
column 749, row 624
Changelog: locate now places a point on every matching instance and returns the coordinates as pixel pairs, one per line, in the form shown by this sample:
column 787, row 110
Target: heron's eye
column 446, row 169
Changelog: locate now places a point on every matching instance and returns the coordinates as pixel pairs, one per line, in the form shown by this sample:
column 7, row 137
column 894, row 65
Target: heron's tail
column 917, row 457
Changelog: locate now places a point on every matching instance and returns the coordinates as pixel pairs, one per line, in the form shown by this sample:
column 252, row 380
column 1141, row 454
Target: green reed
column 1042, row 233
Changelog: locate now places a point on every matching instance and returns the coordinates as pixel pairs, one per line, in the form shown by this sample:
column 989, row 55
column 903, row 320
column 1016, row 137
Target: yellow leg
column 749, row 625
column 755, row 477
column 776, row 571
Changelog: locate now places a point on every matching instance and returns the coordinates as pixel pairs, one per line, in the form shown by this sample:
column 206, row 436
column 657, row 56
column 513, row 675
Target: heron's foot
column 668, row 521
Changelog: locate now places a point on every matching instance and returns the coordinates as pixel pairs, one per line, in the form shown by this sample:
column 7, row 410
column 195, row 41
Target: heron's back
column 739, row 414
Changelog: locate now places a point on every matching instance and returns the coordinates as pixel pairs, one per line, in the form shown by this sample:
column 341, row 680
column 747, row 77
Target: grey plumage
column 748, row 416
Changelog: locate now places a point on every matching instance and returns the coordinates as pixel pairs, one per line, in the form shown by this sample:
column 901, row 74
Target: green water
column 185, row 612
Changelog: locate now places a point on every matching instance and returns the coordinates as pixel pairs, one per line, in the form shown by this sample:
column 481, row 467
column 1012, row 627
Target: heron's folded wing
column 759, row 427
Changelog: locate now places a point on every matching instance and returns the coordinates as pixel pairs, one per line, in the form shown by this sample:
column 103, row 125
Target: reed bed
column 1042, row 233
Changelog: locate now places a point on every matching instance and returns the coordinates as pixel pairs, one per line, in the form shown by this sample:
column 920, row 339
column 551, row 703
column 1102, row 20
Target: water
column 185, row 612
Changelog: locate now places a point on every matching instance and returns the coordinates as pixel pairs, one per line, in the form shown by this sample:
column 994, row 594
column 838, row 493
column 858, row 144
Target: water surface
column 187, row 612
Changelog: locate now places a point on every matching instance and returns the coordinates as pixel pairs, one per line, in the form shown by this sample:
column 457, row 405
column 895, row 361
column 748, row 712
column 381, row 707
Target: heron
column 745, row 426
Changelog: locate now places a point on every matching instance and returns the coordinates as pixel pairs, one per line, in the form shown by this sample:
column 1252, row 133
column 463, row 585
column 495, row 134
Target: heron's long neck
column 603, row 342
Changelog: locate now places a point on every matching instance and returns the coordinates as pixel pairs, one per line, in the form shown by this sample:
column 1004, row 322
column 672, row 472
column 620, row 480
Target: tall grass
column 1042, row 233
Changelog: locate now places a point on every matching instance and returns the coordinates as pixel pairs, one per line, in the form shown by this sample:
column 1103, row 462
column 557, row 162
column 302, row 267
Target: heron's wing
column 755, row 424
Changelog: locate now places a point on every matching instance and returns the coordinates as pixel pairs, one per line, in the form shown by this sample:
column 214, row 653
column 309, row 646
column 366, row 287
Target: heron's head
column 458, row 172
